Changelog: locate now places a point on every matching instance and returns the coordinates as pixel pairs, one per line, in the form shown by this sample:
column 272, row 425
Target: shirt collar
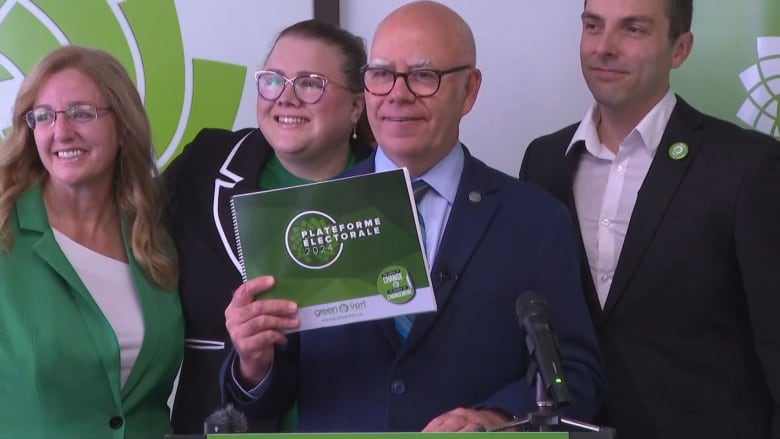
column 650, row 129
column 443, row 177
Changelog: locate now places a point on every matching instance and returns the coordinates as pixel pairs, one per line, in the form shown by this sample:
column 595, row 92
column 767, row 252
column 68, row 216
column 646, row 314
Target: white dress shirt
column 606, row 186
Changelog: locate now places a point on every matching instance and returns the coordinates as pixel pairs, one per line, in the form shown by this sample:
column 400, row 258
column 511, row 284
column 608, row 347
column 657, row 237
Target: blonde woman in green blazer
column 91, row 329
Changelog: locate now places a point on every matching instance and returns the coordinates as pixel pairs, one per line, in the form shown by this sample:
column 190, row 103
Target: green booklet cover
column 345, row 250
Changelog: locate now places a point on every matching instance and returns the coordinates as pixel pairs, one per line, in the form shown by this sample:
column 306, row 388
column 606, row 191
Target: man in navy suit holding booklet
column 489, row 237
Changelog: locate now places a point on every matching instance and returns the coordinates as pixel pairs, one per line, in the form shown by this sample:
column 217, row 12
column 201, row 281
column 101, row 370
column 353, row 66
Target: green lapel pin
column 678, row 150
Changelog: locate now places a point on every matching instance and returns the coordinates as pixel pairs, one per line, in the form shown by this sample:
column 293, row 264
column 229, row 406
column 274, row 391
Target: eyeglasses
column 46, row 116
column 422, row 83
column 308, row 88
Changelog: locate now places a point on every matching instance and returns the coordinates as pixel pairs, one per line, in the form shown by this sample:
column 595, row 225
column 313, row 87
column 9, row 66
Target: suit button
column 116, row 422
column 398, row 387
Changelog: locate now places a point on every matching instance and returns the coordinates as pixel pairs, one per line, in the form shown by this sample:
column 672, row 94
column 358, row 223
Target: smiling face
column 417, row 132
column 77, row 155
column 627, row 55
column 300, row 132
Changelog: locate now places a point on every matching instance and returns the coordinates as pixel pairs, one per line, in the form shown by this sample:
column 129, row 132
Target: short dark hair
column 680, row 13
column 351, row 46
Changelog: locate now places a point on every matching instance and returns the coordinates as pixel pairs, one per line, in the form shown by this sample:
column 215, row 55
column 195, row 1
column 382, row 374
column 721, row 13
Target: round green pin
column 678, row 150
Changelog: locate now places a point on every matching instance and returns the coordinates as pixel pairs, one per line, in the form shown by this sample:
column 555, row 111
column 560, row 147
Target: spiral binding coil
column 238, row 240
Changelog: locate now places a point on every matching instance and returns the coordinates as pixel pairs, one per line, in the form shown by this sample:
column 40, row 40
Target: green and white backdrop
column 734, row 69
column 193, row 60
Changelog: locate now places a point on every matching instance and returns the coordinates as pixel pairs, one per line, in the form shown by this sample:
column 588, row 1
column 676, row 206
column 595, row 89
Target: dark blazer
column 216, row 165
column 690, row 329
column 503, row 237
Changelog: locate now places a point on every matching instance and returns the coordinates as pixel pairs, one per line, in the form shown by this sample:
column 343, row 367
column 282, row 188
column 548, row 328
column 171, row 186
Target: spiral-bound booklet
column 345, row 250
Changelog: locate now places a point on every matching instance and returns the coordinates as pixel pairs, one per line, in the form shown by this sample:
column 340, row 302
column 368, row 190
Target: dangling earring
column 354, row 132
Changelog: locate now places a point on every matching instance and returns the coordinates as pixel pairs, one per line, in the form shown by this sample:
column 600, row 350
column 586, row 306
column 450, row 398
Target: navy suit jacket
column 690, row 329
column 503, row 237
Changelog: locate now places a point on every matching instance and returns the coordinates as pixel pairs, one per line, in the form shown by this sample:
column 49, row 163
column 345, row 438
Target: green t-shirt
column 275, row 176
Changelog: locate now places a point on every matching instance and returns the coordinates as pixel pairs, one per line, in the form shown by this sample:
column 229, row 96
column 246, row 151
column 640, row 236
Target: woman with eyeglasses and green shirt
column 91, row 327
column 310, row 113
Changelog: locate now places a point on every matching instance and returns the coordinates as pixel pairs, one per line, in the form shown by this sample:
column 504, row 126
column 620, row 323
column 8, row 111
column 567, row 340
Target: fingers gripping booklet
column 345, row 250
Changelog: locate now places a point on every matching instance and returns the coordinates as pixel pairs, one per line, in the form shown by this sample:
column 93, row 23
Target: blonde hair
column 136, row 189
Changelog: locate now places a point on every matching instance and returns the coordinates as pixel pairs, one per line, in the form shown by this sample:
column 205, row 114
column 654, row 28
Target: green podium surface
column 480, row 435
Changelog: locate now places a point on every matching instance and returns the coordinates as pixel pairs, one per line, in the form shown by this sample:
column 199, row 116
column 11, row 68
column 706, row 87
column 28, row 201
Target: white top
column 110, row 283
column 606, row 184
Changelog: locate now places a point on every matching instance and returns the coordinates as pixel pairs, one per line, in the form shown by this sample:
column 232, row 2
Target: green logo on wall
column 178, row 90
column 762, row 83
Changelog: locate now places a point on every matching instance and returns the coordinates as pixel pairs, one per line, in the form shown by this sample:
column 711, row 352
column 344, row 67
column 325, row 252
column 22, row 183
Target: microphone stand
column 545, row 416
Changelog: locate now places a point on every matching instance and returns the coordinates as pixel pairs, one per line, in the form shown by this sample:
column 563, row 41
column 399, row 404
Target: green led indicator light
column 558, row 380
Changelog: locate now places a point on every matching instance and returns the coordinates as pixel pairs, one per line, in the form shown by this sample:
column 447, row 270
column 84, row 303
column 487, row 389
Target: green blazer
column 59, row 356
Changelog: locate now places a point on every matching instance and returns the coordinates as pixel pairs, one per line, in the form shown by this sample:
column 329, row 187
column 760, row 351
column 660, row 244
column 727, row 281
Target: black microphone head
column 226, row 419
column 535, row 318
column 531, row 303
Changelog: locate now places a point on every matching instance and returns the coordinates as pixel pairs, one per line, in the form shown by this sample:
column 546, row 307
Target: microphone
column 226, row 419
column 444, row 273
column 533, row 314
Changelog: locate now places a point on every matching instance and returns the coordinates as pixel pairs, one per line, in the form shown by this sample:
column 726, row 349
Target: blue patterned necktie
column 403, row 324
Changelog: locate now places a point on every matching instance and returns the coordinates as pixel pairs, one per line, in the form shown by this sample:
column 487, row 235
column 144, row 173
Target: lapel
column 238, row 174
column 662, row 180
column 467, row 223
column 32, row 217
column 152, row 309
column 561, row 187
column 475, row 204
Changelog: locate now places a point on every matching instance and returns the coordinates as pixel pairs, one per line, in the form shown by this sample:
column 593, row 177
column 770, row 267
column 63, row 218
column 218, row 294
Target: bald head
column 438, row 23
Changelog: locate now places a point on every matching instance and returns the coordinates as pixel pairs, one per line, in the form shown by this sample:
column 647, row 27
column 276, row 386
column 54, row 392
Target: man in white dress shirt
column 679, row 222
